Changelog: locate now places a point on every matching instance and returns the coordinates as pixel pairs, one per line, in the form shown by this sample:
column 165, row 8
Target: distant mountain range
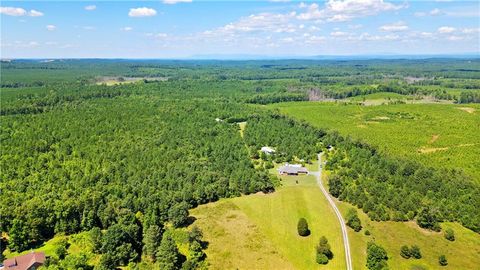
column 473, row 55
column 330, row 57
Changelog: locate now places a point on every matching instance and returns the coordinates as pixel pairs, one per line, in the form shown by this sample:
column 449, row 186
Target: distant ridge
column 330, row 57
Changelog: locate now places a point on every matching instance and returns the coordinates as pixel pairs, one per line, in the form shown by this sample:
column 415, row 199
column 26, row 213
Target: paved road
column 346, row 244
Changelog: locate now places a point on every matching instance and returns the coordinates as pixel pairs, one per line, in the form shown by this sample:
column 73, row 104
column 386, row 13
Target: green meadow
column 463, row 253
column 259, row 231
column 442, row 135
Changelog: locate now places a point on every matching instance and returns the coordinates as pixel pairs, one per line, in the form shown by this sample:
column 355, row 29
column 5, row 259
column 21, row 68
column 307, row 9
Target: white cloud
column 446, row 29
column 338, row 34
column 394, row 27
column 173, row 2
column 88, row 28
column 271, row 22
column 455, row 38
column 126, row 28
column 368, row 37
column 51, row 27
column 344, row 10
column 35, row 13
column 355, row 26
column 470, row 30
column 15, row 11
column 90, row 7
column 142, row 12
column 433, row 12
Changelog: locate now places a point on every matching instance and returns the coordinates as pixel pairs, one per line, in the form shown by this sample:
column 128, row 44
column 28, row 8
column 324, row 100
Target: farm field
column 434, row 134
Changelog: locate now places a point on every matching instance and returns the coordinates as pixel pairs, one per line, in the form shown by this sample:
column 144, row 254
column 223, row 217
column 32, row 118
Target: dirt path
column 346, row 243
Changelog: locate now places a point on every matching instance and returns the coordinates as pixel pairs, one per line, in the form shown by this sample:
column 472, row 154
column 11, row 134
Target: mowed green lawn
column 442, row 135
column 260, row 231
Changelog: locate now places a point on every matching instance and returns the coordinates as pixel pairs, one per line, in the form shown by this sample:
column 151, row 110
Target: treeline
column 401, row 190
column 32, row 104
column 469, row 97
column 403, row 89
column 276, row 98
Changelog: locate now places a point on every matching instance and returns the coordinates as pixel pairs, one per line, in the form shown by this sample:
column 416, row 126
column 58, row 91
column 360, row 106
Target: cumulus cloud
column 173, row 2
column 433, row 12
column 394, row 27
column 51, row 27
column 272, row 22
column 15, row 11
column 90, row 7
column 446, row 29
column 344, row 10
column 470, row 30
column 338, row 34
column 355, row 26
column 142, row 12
column 35, row 13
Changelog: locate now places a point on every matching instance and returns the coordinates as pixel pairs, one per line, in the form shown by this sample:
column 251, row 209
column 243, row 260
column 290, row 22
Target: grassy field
column 463, row 253
column 260, row 231
column 380, row 96
column 443, row 135
column 77, row 243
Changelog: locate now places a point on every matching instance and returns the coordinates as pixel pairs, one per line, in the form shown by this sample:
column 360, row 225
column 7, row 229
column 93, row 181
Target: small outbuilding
column 292, row 169
column 30, row 261
column 267, row 150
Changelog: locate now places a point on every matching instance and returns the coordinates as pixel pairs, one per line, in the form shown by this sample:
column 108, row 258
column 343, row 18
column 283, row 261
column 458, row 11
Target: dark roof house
column 292, row 169
column 30, row 261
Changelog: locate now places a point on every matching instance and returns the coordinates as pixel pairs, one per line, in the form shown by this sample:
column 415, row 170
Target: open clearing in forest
column 259, row 231
column 112, row 80
column 410, row 130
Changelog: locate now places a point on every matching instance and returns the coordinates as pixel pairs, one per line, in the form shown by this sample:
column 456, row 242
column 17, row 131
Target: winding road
column 346, row 244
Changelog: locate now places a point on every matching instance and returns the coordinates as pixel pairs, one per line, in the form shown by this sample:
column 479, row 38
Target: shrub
column 415, row 252
column 449, row 235
column 405, row 252
column 323, row 247
column 442, row 260
column 376, row 257
column 353, row 221
column 428, row 218
column 367, row 232
column 302, row 227
column 321, row 258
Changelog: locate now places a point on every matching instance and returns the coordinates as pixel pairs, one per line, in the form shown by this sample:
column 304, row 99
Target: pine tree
column 167, row 253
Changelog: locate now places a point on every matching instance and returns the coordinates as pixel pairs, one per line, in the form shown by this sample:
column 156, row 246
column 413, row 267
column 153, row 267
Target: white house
column 267, row 150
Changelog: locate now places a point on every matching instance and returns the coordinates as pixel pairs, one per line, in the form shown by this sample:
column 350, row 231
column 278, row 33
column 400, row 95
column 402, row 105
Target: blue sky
column 184, row 28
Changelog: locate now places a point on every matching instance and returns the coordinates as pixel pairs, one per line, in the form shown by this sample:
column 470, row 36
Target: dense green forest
column 126, row 162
